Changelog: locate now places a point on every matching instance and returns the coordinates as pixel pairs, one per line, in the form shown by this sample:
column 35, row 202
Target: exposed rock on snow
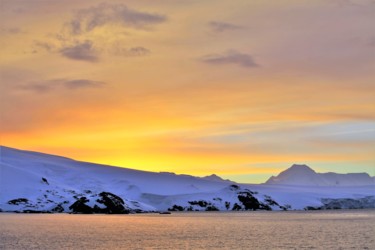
column 34, row 182
column 242, row 199
column 345, row 203
column 80, row 206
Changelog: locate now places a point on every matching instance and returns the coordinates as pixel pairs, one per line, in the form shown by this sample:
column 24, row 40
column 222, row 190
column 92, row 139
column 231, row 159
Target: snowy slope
column 304, row 175
column 31, row 181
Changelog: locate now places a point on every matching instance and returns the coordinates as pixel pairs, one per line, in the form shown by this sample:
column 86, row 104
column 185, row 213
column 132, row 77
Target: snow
column 304, row 175
column 22, row 173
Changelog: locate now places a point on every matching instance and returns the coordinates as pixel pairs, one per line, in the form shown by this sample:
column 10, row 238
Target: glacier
column 33, row 182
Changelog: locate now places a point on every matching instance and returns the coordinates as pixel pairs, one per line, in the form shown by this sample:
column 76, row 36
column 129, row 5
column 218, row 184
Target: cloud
column 81, row 51
column 230, row 57
column 131, row 52
column 12, row 31
column 78, row 40
column 222, row 26
column 36, row 87
column 44, row 45
column 82, row 83
column 54, row 84
column 86, row 20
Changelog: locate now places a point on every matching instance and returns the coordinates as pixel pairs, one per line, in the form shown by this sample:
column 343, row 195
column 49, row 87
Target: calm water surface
column 350, row 229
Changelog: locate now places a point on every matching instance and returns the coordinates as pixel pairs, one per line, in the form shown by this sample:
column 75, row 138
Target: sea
column 335, row 229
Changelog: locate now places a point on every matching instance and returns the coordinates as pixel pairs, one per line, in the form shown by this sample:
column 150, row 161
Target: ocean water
column 340, row 229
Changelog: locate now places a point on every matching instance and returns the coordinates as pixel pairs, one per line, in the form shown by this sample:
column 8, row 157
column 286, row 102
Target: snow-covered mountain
column 304, row 175
column 37, row 182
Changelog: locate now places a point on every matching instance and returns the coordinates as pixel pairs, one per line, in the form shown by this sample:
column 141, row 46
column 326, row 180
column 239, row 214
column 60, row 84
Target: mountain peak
column 300, row 168
column 303, row 175
column 214, row 177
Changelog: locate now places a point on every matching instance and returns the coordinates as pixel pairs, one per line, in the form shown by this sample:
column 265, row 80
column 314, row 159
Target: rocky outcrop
column 345, row 203
column 246, row 200
column 177, row 208
column 44, row 180
column 58, row 209
column 80, row 206
column 114, row 204
column 249, row 201
column 107, row 203
column 18, row 201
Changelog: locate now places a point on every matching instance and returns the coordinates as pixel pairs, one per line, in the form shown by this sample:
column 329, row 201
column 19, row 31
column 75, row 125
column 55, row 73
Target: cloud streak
column 223, row 26
column 230, row 57
column 55, row 84
column 81, row 51
column 12, row 31
column 86, row 20
column 130, row 52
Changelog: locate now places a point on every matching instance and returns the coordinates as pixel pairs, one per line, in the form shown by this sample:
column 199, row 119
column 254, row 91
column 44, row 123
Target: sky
column 241, row 88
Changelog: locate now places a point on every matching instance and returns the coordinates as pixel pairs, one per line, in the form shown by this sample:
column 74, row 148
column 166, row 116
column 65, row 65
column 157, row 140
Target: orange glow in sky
column 242, row 89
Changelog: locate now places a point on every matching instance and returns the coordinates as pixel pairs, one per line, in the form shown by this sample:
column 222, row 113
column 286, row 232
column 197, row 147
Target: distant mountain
column 35, row 182
column 303, row 175
column 214, row 177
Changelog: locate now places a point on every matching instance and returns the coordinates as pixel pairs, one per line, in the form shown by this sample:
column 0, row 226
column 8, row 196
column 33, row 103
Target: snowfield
column 36, row 182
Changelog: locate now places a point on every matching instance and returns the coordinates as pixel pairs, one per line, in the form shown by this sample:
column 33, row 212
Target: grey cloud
column 36, row 87
column 85, row 20
column 223, row 26
column 82, row 51
column 82, row 83
column 54, row 84
column 230, row 57
column 131, row 52
column 12, row 31
column 44, row 45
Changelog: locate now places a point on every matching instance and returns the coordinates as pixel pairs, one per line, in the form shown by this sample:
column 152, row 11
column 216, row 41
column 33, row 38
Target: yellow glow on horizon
column 179, row 95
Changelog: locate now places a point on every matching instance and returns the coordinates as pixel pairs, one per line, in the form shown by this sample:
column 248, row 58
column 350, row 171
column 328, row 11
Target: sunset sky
column 242, row 89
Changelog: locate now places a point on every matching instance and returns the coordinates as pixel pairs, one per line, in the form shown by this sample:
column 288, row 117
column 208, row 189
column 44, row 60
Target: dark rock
column 18, row 201
column 200, row 203
column 234, row 187
column 58, row 209
column 211, row 208
column 269, row 201
column 29, row 211
column 114, row 204
column 265, row 207
column 80, row 207
column 236, row 207
column 44, row 180
column 227, row 205
column 249, row 201
column 349, row 203
column 345, row 203
column 312, row 208
column 176, row 208
column 286, row 207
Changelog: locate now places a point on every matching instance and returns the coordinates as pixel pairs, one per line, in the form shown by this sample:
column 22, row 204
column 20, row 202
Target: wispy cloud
column 230, row 57
column 81, row 51
column 223, row 26
column 130, row 52
column 77, row 40
column 81, row 83
column 54, row 84
column 12, row 31
column 86, row 20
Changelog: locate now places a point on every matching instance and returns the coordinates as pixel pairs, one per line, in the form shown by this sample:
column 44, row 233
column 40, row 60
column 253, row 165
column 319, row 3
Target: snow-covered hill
column 303, row 175
column 37, row 182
